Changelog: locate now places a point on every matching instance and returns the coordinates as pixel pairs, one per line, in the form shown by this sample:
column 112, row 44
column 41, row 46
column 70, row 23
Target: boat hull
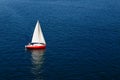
column 35, row 46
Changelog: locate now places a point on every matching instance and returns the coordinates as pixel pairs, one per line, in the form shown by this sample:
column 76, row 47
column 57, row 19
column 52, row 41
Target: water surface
column 83, row 40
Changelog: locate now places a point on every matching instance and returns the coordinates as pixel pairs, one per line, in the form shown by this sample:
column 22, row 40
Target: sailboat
column 38, row 41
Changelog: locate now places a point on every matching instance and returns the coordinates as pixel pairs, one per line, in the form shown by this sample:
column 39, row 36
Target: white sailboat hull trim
column 38, row 41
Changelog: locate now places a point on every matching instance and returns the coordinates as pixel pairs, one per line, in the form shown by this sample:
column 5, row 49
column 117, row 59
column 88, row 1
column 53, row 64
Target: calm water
column 83, row 40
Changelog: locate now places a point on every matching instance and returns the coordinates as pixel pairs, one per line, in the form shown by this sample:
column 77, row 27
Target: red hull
column 35, row 47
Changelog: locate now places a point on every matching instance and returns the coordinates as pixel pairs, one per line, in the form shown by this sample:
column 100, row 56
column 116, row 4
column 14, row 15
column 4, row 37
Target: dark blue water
column 83, row 40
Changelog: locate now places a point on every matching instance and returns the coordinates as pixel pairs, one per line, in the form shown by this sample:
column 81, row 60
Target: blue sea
column 82, row 36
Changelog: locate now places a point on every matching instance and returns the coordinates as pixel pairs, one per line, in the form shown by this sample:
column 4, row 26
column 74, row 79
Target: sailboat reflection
column 37, row 61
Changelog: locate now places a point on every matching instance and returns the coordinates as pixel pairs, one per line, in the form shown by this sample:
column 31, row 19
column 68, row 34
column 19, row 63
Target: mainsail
column 38, row 35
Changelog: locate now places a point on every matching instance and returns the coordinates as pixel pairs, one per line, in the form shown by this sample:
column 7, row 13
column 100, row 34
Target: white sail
column 38, row 35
